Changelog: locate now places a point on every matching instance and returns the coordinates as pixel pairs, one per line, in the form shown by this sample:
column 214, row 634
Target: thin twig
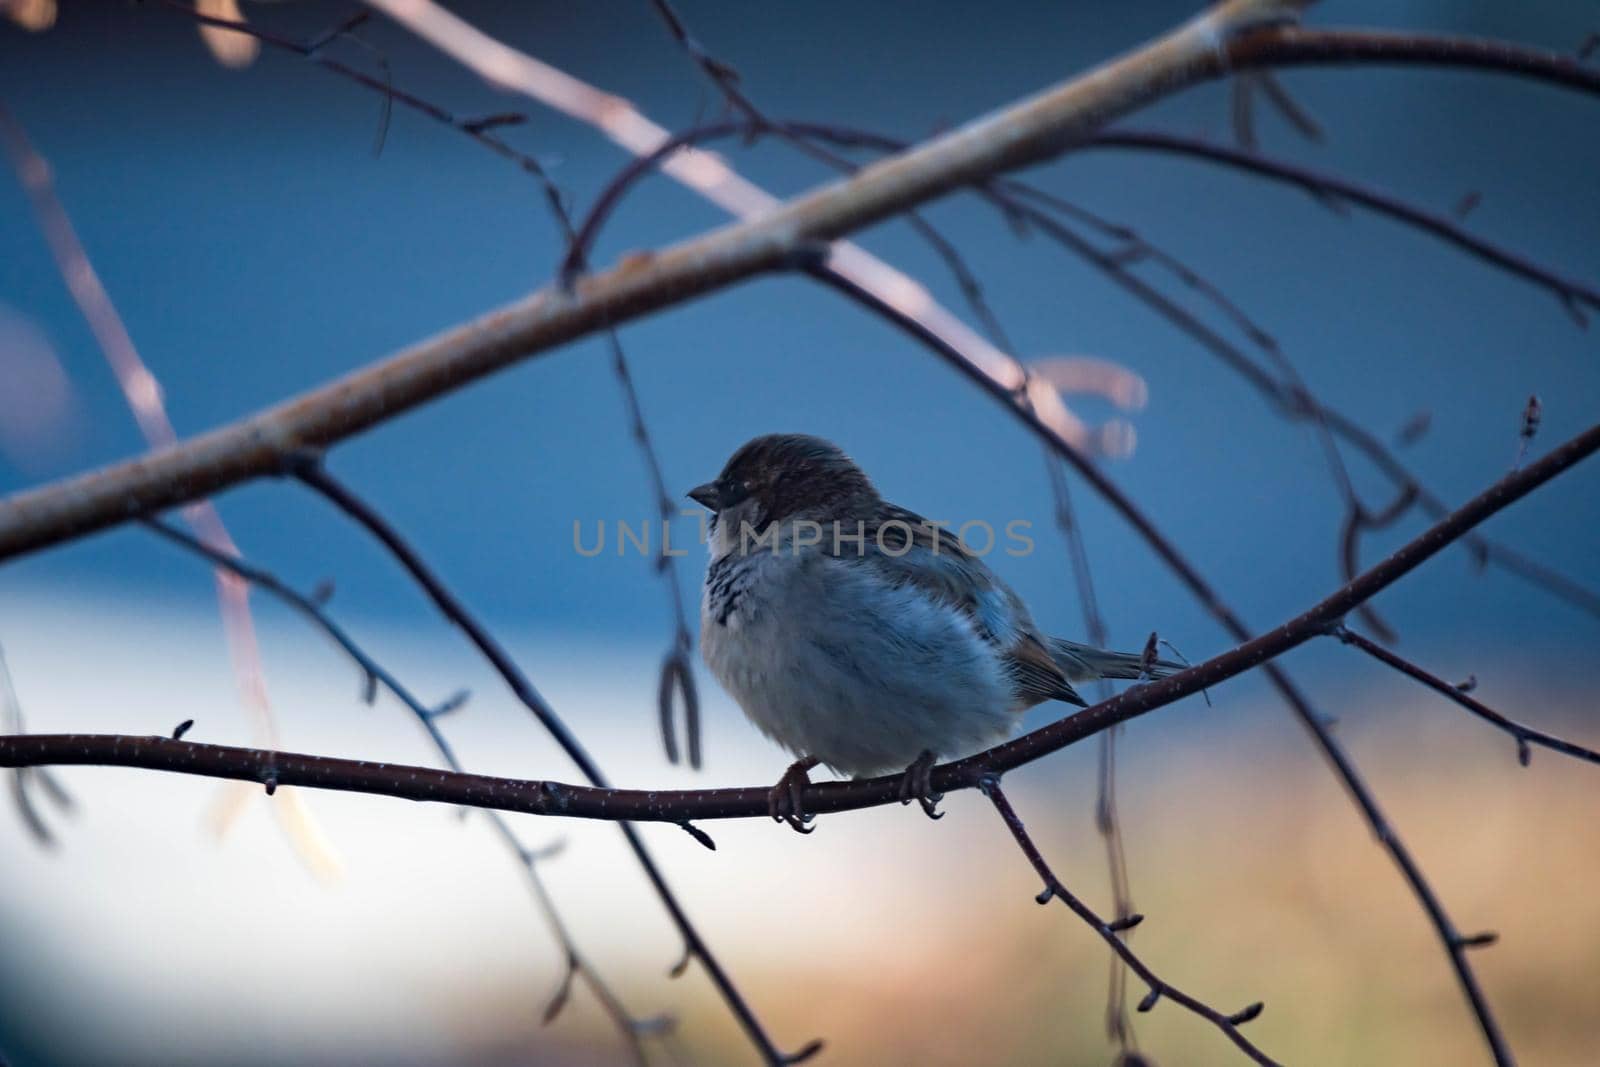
column 677, row 672
column 476, row 127
column 1522, row 734
column 1570, row 291
column 1290, row 108
column 1109, row 933
column 23, row 779
column 1119, row 1024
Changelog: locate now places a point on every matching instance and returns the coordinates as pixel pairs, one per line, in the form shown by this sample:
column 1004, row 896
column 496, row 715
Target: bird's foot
column 917, row 784
column 784, row 801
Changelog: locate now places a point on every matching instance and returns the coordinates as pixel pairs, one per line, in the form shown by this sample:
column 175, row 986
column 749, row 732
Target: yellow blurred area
column 1258, row 880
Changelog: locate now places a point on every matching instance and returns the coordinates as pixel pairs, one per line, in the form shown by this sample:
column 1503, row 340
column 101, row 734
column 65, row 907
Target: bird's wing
column 1036, row 677
column 909, row 550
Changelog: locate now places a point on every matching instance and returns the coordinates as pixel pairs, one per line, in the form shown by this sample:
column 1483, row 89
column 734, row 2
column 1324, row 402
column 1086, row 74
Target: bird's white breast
column 832, row 660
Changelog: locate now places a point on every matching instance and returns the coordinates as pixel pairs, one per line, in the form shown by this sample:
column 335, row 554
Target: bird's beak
column 706, row 495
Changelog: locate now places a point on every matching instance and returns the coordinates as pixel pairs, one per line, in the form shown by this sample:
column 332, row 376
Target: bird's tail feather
column 1085, row 663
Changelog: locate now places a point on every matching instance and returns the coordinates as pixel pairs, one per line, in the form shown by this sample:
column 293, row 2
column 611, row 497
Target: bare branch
column 1119, row 1025
column 23, row 779
column 1523, row 735
column 1570, row 291
column 478, row 128
column 676, row 678
column 1055, row 889
column 1294, row 46
column 1290, row 108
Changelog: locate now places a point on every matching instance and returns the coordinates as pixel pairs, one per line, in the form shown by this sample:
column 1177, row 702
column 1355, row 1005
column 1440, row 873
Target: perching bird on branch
column 858, row 634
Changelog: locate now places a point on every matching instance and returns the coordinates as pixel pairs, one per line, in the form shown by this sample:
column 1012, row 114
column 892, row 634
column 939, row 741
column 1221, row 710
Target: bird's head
column 782, row 477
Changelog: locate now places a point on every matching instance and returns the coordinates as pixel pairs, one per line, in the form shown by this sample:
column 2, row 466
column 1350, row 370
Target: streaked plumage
column 866, row 654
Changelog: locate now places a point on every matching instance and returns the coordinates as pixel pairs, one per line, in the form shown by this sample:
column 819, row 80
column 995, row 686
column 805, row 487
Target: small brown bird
column 857, row 634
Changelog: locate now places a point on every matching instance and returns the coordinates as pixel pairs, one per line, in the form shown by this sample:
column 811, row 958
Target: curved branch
column 639, row 805
column 1294, row 46
column 1522, row 734
column 1569, row 290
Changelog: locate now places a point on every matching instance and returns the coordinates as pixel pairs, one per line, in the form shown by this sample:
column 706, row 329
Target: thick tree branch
column 1026, row 132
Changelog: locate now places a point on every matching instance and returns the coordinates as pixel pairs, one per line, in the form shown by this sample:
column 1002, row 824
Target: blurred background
column 257, row 246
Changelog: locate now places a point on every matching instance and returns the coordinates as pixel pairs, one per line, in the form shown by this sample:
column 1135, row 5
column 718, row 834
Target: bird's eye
column 735, row 492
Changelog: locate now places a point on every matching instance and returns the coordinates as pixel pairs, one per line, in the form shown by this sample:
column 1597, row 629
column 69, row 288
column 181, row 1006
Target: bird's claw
column 784, row 800
column 917, row 784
